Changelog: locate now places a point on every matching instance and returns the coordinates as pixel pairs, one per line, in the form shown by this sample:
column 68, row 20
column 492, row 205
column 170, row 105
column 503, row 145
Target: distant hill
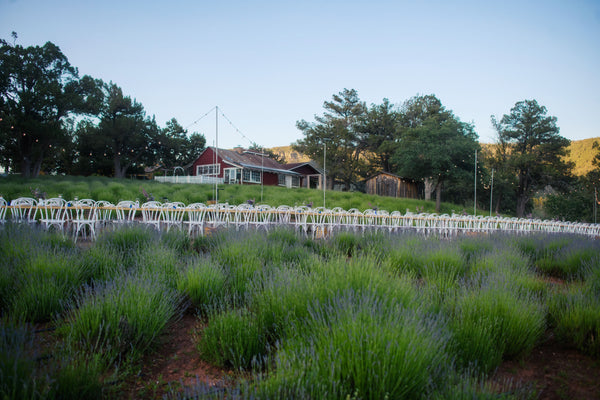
column 581, row 154
column 290, row 155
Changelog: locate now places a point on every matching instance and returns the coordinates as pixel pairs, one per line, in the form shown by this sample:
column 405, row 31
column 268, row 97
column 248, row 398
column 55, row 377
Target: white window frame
column 281, row 179
column 295, row 181
column 230, row 175
column 208, row 170
column 252, row 176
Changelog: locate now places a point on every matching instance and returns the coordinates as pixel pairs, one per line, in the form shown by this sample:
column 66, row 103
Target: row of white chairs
column 84, row 216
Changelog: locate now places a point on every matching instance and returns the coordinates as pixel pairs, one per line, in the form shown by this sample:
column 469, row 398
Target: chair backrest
column 3, row 208
column 126, row 210
column 105, row 210
column 23, row 209
column 152, row 212
column 85, row 209
column 196, row 212
column 173, row 212
column 53, row 210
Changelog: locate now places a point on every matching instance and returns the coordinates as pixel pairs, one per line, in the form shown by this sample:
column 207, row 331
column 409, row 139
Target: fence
column 189, row 179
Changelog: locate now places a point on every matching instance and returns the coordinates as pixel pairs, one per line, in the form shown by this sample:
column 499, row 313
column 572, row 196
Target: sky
column 268, row 64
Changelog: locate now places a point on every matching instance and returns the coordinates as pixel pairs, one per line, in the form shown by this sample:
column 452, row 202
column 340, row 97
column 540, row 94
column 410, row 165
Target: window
column 230, row 175
column 251, row 176
column 208, row 169
column 295, row 181
column 281, row 180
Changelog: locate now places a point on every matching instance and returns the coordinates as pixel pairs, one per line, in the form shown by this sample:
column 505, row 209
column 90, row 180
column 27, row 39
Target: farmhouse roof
column 293, row 166
column 252, row 159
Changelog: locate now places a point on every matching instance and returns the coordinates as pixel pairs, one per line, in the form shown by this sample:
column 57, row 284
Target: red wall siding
column 270, row 179
column 208, row 158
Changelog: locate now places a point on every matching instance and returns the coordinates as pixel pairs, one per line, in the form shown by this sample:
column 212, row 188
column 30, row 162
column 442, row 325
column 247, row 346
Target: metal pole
column 475, row 185
column 492, row 192
column 324, row 170
column 217, row 153
column 595, row 203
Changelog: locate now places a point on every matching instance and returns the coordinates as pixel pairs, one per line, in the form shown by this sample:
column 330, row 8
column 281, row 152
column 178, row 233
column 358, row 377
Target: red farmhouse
column 241, row 166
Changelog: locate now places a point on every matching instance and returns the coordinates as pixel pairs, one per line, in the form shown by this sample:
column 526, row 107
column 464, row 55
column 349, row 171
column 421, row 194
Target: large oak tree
column 434, row 146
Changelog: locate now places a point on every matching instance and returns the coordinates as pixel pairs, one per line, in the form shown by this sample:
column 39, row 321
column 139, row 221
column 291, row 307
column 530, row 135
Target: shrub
column 495, row 321
column 18, row 376
column 576, row 316
column 355, row 345
column 43, row 283
column 125, row 315
column 203, row 282
column 233, row 338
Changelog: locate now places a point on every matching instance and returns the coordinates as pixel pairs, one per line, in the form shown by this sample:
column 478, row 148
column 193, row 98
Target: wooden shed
column 387, row 184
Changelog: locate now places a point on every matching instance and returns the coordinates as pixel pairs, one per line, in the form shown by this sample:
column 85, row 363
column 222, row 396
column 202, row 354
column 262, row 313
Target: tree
column 434, row 146
column 534, row 150
column 338, row 129
column 39, row 90
column 176, row 148
column 125, row 134
column 379, row 127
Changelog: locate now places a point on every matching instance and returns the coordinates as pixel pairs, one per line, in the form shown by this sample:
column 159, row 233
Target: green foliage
column 355, row 345
column 121, row 316
column 232, row 339
column 532, row 150
column 575, row 313
column 356, row 315
column 18, row 375
column 204, row 283
column 434, row 145
column 495, row 321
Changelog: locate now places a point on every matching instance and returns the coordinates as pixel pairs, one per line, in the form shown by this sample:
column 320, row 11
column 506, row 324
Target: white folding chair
column 106, row 210
column 54, row 213
column 85, row 215
column 218, row 215
column 3, row 208
column 126, row 210
column 152, row 214
column 243, row 215
column 172, row 214
column 263, row 216
column 196, row 213
column 23, row 210
column 301, row 217
column 284, row 215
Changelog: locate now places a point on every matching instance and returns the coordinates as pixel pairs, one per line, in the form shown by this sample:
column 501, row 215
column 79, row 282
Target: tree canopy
column 39, row 90
column 434, row 146
column 53, row 120
column 338, row 133
column 532, row 150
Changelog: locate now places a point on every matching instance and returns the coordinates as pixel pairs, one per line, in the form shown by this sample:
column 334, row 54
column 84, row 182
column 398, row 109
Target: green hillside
column 582, row 155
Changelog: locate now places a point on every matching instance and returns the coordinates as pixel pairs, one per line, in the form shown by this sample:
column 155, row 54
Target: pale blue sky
column 268, row 64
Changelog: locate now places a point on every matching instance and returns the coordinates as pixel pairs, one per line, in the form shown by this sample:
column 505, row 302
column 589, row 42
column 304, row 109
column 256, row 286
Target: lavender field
column 368, row 316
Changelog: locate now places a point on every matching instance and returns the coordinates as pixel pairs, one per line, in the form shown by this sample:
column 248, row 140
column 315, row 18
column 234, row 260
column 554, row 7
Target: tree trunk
column 117, row 165
column 521, row 203
column 438, row 196
column 26, row 167
column 37, row 167
column 429, row 188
